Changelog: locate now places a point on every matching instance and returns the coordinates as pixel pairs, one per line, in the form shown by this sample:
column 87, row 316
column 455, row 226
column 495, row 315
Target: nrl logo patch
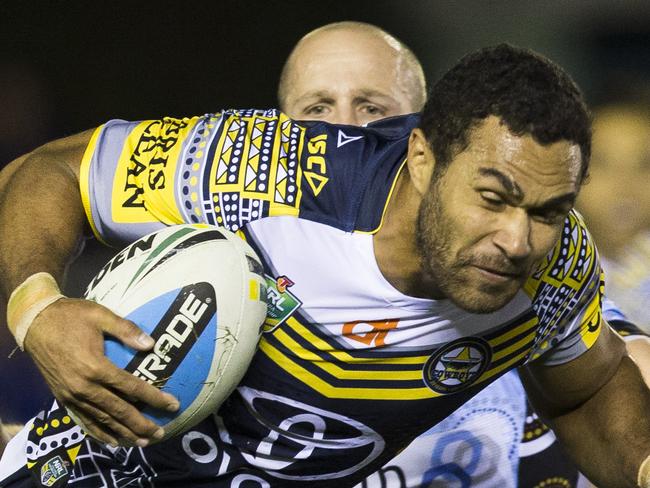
column 53, row 470
column 457, row 365
column 280, row 302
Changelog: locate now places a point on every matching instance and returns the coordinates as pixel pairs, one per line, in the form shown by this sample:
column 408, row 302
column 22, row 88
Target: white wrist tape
column 643, row 479
column 28, row 300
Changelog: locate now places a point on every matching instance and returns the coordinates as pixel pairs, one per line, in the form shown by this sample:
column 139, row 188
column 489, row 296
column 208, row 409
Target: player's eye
column 318, row 110
column 373, row 110
column 551, row 216
column 492, row 199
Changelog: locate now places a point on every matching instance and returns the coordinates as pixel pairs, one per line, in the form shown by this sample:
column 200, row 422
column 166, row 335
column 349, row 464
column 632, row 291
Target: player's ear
column 420, row 161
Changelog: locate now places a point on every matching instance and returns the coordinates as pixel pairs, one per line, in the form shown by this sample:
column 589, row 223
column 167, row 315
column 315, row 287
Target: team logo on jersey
column 457, row 365
column 52, row 471
column 303, row 443
column 280, row 302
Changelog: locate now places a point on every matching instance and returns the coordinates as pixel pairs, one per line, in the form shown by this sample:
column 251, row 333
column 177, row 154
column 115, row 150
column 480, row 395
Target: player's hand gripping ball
column 200, row 293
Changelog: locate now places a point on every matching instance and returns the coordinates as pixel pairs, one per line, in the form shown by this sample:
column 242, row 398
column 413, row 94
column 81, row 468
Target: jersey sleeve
column 567, row 295
column 223, row 169
column 234, row 167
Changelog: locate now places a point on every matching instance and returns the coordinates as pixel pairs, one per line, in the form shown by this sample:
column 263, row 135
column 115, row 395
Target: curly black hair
column 530, row 93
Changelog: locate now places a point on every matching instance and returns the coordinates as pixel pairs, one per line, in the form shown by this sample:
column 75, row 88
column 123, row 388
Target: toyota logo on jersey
column 304, row 433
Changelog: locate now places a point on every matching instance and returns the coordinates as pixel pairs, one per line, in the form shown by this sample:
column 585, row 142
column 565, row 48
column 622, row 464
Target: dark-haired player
column 354, row 73
column 452, row 235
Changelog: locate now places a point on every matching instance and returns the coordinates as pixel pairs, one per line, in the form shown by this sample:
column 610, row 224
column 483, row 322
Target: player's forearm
column 609, row 435
column 41, row 214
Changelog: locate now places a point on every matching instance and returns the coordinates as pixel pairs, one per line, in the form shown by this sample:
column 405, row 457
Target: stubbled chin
column 479, row 307
column 483, row 299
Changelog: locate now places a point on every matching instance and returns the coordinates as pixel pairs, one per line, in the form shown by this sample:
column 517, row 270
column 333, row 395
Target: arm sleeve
column 567, row 294
column 223, row 169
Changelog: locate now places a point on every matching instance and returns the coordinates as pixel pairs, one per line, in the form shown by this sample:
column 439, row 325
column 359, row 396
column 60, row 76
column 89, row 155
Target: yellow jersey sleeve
column 223, row 169
column 567, row 296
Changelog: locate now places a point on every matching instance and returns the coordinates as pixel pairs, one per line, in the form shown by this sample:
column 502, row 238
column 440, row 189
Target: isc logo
column 316, row 169
column 175, row 334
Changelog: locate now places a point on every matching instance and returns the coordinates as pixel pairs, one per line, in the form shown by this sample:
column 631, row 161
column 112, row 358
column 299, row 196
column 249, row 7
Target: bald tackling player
column 351, row 73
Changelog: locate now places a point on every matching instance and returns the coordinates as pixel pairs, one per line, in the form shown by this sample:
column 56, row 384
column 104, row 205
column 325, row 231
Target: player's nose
column 513, row 235
column 345, row 116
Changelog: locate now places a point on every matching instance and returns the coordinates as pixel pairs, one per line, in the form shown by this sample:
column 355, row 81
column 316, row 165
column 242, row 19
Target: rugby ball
column 199, row 292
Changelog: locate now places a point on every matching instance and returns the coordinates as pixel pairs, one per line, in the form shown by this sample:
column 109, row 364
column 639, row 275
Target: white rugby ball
column 199, row 291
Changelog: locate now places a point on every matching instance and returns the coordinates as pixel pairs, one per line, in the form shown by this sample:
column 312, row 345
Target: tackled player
column 458, row 252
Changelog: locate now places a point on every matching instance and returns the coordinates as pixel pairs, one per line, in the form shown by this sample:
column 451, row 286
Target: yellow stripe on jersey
column 530, row 324
column 330, row 391
column 343, row 356
column 502, row 367
column 326, row 389
column 341, row 373
column 300, row 363
column 84, row 181
column 526, row 341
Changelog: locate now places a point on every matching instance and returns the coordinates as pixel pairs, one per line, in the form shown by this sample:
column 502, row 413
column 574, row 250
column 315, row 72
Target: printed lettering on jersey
column 315, row 171
column 369, row 332
column 280, row 302
column 148, row 157
column 457, row 365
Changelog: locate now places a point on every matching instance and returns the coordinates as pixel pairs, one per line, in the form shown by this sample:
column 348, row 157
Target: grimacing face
column 347, row 77
column 494, row 214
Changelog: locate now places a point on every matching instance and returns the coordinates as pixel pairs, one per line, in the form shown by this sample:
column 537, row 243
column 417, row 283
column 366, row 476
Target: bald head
column 351, row 73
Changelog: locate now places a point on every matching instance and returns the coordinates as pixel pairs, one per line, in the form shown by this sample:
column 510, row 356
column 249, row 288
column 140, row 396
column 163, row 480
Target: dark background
column 71, row 65
column 68, row 66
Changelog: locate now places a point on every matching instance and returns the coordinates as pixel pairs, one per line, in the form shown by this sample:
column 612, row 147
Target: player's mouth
column 497, row 276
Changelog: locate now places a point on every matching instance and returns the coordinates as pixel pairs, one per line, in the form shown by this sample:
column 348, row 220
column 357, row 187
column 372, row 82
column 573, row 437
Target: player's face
column 347, row 77
column 494, row 214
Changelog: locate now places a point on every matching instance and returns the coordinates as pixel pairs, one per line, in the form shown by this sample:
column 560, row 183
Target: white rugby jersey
column 349, row 370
